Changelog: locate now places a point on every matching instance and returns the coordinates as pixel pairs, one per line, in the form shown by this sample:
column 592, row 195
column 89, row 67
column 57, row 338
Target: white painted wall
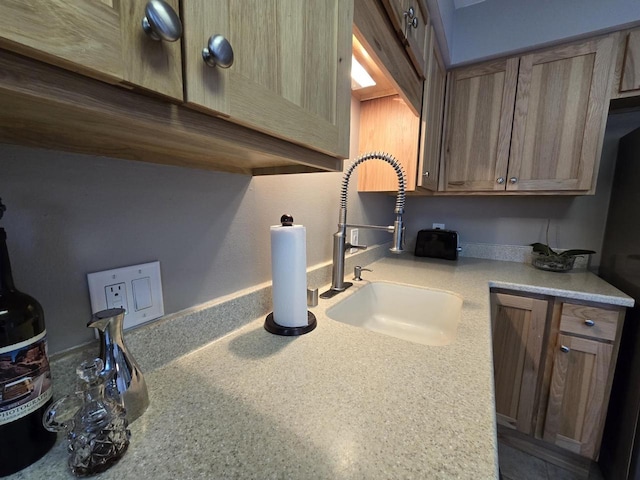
column 69, row 215
column 499, row 27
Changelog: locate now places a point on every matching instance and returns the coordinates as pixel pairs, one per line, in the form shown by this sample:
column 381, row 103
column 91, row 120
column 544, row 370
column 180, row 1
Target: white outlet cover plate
column 138, row 312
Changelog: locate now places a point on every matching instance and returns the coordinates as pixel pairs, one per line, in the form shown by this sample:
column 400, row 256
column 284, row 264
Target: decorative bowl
column 552, row 263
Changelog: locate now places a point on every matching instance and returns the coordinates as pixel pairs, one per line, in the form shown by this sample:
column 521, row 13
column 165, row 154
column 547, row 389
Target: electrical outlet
column 116, row 295
column 354, row 240
column 137, row 289
column 438, row 226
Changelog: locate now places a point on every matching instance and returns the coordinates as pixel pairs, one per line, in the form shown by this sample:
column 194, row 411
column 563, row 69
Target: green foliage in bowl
column 545, row 258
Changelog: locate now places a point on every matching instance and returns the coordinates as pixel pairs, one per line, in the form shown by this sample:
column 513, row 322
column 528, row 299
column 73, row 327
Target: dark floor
column 517, row 465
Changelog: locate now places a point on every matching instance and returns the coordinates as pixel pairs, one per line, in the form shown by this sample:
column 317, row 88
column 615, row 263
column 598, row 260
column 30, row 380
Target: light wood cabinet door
column 518, row 330
column 291, row 72
column 432, row 118
column 102, row 39
column 560, row 115
column 478, row 129
column 630, row 76
column 577, row 398
column 411, row 21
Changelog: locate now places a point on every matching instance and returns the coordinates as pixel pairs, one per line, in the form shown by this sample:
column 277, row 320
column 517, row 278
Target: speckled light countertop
column 340, row 402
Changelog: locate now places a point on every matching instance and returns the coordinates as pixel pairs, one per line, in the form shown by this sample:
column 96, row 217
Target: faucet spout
column 339, row 238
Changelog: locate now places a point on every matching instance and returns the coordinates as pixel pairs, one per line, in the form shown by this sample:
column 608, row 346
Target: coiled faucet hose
column 400, row 198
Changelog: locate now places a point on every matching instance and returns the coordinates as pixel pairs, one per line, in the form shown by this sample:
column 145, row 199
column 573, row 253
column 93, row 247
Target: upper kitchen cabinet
column 374, row 31
column 627, row 73
column 478, row 131
column 431, row 120
column 529, row 124
column 411, row 20
column 288, row 75
column 102, row 39
column 282, row 106
column 630, row 79
column 391, row 123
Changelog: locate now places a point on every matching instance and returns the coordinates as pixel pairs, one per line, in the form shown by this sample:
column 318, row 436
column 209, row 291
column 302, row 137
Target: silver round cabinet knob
column 218, row 52
column 414, row 22
column 564, row 349
column 589, row 323
column 161, row 22
column 513, row 180
column 426, row 174
column 500, row 180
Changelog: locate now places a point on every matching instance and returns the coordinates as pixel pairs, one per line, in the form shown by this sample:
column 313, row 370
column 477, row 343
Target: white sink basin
column 419, row 315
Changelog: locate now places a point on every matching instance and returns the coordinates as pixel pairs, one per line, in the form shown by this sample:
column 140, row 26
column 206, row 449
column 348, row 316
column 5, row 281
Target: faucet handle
column 357, row 272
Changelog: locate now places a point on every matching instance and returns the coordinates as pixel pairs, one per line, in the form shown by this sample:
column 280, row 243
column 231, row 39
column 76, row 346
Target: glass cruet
column 95, row 424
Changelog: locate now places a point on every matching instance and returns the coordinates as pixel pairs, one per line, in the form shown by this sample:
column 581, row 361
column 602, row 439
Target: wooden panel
column 518, row 330
column 575, row 413
column 574, row 317
column 478, row 128
column 290, row 76
column 560, row 116
column 432, row 119
column 388, row 125
column 373, row 29
column 630, row 78
column 47, row 107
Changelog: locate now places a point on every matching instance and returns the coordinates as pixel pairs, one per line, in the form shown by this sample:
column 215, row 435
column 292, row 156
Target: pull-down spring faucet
column 339, row 238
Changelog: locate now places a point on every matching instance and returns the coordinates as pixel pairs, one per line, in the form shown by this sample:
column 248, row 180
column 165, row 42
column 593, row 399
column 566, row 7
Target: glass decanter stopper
column 95, row 423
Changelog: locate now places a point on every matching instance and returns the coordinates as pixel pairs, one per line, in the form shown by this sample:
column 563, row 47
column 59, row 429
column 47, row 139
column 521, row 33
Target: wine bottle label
column 25, row 378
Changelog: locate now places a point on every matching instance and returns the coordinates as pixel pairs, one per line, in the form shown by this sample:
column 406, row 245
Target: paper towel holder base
column 272, row 327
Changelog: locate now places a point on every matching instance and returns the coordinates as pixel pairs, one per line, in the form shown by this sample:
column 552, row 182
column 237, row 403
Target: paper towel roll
column 289, row 274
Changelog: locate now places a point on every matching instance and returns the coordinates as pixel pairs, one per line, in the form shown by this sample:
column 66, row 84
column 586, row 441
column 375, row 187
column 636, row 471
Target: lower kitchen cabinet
column 554, row 361
column 518, row 327
column 577, row 403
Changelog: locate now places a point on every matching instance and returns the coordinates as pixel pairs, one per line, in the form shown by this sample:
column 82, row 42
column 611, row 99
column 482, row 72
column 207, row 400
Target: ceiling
column 465, row 3
column 474, row 30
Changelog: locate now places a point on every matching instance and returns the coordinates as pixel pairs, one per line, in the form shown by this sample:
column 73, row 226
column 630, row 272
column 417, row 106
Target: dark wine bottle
column 25, row 378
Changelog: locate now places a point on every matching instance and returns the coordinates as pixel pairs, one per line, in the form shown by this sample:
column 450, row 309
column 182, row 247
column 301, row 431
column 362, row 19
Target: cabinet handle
column 412, row 20
column 589, row 323
column 564, row 349
column 426, row 174
column 161, row 22
column 513, row 180
column 500, row 180
column 218, row 52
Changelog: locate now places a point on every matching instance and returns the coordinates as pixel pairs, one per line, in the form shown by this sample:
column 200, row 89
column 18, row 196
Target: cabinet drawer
column 589, row 321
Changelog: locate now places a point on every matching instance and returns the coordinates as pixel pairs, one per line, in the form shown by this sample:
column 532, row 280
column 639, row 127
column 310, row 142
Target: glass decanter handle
column 59, row 416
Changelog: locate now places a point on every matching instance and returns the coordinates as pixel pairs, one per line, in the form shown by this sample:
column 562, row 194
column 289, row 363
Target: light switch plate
column 142, row 295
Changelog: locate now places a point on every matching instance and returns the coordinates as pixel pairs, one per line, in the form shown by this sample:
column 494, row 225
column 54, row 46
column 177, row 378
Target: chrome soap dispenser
column 120, row 368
